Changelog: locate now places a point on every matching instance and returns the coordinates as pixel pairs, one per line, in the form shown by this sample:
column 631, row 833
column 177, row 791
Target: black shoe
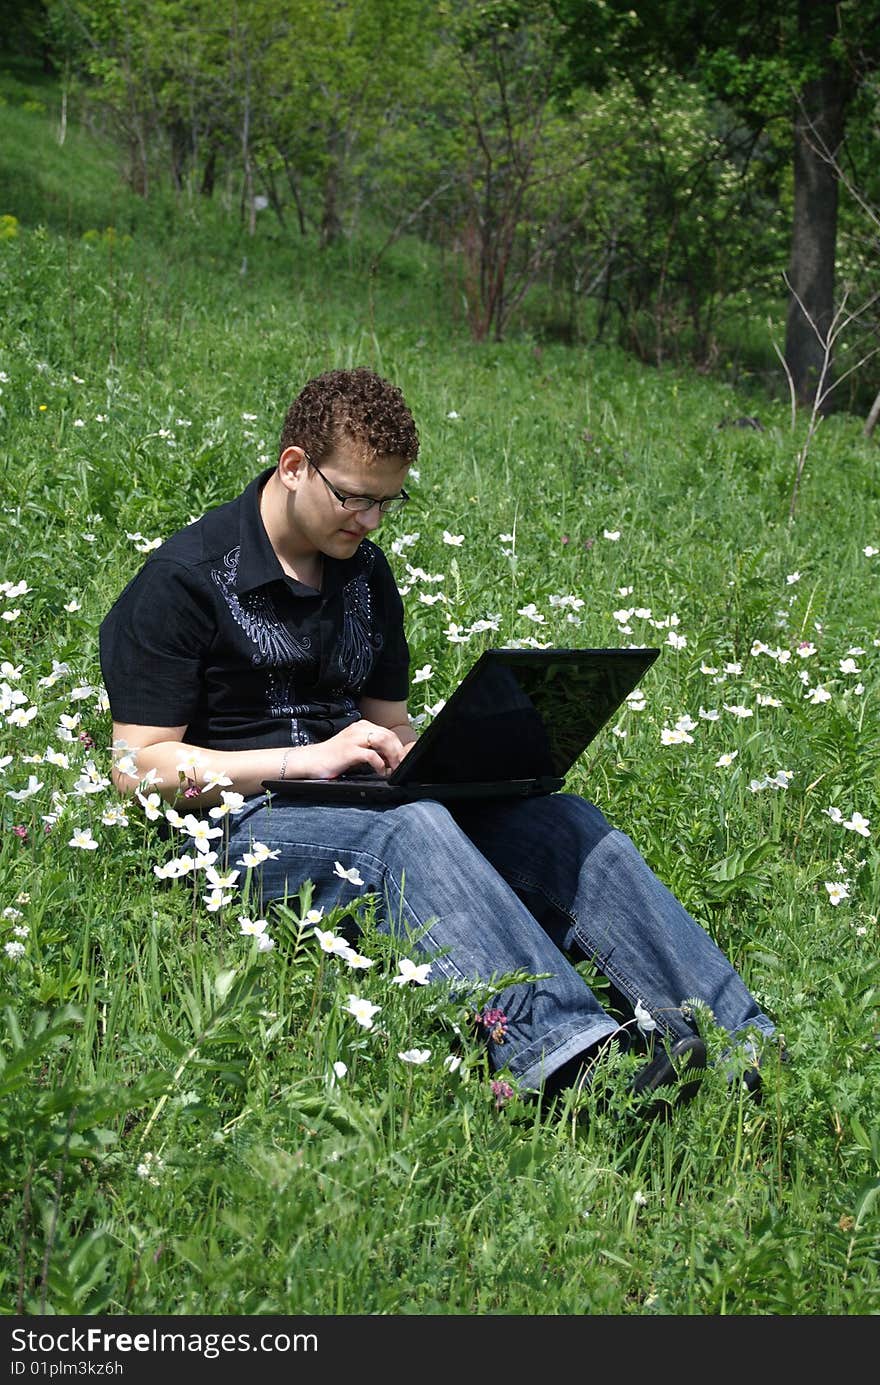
column 669, row 1068
column 750, row 1076
column 751, row 1080
column 578, row 1073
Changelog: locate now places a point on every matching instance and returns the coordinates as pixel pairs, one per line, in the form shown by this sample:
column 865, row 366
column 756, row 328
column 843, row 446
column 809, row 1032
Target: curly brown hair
column 351, row 406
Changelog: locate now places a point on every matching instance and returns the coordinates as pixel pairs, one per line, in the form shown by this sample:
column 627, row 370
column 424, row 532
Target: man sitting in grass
column 266, row 641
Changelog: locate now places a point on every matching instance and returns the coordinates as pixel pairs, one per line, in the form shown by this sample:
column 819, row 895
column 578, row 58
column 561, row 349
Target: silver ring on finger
column 369, row 738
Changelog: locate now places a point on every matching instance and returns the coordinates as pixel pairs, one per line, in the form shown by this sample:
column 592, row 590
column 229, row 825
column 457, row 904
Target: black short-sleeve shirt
column 212, row 634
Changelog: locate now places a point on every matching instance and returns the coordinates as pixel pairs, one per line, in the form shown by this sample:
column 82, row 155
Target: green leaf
column 175, row 1047
column 866, row 1198
column 741, row 863
column 223, row 983
column 326, row 1108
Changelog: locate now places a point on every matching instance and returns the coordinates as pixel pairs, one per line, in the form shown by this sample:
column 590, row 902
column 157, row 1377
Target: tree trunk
column 294, row 188
column 247, row 195
column 818, row 130
column 331, row 223
column 210, row 173
column 178, row 142
column 267, row 178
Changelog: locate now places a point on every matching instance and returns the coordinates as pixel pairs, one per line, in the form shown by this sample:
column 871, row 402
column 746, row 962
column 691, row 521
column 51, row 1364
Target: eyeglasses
column 361, row 503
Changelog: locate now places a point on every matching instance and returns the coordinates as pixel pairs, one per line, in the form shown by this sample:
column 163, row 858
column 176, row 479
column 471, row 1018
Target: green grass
column 137, row 1024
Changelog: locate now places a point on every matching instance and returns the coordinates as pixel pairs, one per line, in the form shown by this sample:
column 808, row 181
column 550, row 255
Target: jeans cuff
column 533, row 1076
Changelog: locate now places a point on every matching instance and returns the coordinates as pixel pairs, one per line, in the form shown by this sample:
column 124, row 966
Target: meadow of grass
column 192, row 1125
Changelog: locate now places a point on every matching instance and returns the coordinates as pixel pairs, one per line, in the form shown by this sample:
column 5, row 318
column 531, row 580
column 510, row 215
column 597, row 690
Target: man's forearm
column 195, row 775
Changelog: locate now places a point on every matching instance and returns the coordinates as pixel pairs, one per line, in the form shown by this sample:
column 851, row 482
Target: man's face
column 323, row 521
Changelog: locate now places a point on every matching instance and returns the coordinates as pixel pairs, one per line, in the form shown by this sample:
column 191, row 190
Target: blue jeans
column 509, row 885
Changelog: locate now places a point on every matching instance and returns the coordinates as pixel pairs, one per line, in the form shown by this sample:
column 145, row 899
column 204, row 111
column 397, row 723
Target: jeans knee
column 571, row 820
column 421, row 822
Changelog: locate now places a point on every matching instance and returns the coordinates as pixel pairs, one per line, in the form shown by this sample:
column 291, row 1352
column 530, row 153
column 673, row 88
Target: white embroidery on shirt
column 358, row 643
column 255, row 614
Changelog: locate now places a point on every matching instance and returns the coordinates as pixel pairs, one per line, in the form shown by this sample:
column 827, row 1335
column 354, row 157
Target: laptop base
column 377, row 793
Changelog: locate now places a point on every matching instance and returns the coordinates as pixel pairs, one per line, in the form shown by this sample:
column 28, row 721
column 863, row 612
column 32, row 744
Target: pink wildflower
column 502, row 1092
column 495, row 1024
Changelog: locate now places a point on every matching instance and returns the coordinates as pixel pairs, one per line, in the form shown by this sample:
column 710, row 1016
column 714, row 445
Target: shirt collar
column 257, row 561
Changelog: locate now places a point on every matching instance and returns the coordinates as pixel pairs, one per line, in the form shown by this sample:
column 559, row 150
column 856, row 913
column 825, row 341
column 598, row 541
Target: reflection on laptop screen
column 523, row 714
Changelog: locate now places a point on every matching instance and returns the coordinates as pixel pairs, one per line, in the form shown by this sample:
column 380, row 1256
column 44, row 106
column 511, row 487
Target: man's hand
column 362, row 743
column 379, row 740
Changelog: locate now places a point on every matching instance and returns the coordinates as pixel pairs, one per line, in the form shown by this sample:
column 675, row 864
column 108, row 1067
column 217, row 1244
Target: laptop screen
column 524, row 714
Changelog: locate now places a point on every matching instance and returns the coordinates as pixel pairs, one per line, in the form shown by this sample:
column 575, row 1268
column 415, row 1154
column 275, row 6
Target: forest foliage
column 661, row 171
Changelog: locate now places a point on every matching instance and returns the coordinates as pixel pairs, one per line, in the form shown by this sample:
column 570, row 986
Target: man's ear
column 292, row 466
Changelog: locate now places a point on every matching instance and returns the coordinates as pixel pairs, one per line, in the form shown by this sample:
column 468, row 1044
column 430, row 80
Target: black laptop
column 514, row 726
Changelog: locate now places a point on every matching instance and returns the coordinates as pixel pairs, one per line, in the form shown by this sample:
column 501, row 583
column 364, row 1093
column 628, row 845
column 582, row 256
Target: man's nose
column 370, row 519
